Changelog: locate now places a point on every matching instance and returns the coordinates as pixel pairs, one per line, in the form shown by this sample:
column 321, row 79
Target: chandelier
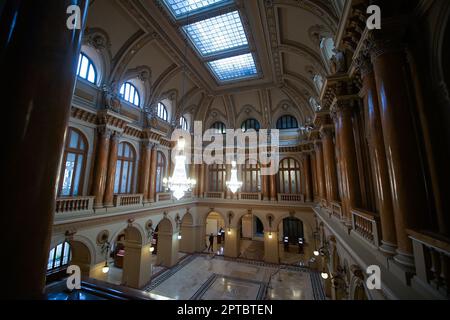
column 179, row 183
column 234, row 185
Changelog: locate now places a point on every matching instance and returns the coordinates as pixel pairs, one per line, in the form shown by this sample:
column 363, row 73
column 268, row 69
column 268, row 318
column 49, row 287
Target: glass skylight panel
column 217, row 34
column 234, row 68
column 181, row 8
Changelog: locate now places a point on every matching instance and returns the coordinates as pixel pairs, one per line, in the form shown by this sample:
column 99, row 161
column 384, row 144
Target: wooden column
column 351, row 197
column 378, row 157
column 309, row 197
column 265, row 185
column 101, row 166
column 144, row 173
column 320, row 170
column 399, row 133
column 329, row 163
column 111, row 175
column 314, row 175
column 38, row 61
column 152, row 187
column 273, row 187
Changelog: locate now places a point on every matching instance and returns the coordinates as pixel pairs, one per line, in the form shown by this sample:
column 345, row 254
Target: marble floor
column 203, row 277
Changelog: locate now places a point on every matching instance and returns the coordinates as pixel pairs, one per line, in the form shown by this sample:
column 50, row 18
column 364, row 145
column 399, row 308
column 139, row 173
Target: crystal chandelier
column 179, row 183
column 234, row 185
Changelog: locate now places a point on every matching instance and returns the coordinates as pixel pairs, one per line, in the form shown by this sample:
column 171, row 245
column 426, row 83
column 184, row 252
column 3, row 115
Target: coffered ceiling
column 282, row 36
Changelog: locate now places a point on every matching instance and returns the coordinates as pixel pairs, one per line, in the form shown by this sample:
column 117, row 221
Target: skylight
column 234, row 68
column 181, row 8
column 217, row 34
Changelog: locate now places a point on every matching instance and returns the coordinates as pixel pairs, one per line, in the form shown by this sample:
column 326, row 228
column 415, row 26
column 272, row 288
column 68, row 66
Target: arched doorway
column 292, row 241
column 188, row 235
column 166, row 244
column 214, row 233
column 251, row 237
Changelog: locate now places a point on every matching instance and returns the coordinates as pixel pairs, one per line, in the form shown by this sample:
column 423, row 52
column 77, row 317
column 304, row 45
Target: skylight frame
column 220, row 80
column 186, row 14
column 203, row 46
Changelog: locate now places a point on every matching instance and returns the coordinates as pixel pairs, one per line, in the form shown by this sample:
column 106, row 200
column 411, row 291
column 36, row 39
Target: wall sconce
column 270, row 218
column 230, row 216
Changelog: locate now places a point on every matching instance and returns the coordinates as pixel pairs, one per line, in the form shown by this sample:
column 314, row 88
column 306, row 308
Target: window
column 217, row 34
column 59, row 256
column 219, row 37
column 162, row 112
column 219, row 128
column 251, row 175
column 327, row 46
column 318, row 81
column 289, row 176
column 287, row 122
column 123, row 182
column 129, row 93
column 250, row 124
column 184, row 124
column 182, row 8
column 160, row 171
column 72, row 171
column 86, row 69
column 314, row 104
column 217, row 176
column 234, row 68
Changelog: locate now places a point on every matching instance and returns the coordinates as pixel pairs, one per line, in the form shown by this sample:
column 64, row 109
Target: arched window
column 184, row 124
column 327, row 47
column 217, row 176
column 162, row 112
column 289, row 176
column 250, row 124
column 160, row 171
column 73, row 166
column 318, row 81
column 123, row 182
column 59, row 256
column 287, row 122
column 314, row 104
column 251, row 176
column 129, row 93
column 86, row 69
column 219, row 128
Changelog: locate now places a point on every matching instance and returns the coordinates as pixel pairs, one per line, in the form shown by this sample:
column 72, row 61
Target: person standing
column 211, row 243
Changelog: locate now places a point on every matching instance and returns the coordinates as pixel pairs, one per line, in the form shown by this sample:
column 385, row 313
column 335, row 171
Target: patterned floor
column 208, row 277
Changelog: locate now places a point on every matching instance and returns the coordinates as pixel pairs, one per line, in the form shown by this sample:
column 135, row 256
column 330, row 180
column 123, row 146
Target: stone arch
column 168, row 243
column 83, row 254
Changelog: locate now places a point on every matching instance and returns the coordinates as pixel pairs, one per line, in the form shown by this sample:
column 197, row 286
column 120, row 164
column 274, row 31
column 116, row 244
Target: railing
column 126, row 200
column 214, row 195
column 285, row 197
column 75, row 204
column 432, row 258
column 163, row 196
column 336, row 210
column 366, row 225
column 250, row 196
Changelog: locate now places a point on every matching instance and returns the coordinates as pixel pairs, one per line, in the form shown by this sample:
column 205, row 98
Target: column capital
column 327, row 131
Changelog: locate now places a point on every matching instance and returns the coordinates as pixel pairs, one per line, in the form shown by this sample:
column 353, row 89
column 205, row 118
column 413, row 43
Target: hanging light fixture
column 234, row 184
column 179, row 183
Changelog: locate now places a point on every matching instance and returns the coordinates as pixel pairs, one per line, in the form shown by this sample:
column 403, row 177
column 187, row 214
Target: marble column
column 401, row 145
column 314, row 175
column 320, row 170
column 329, row 157
column 144, row 183
column 378, row 158
column 265, row 186
column 351, row 197
column 38, row 61
column 111, row 175
column 152, row 187
column 227, row 192
column 101, row 166
column 309, row 197
column 273, row 187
